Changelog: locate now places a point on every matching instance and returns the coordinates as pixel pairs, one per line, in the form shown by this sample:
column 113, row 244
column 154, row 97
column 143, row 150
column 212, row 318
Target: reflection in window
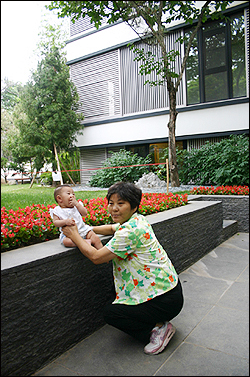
column 215, row 68
column 215, row 54
column 238, row 56
column 192, row 73
column 216, row 86
column 141, row 150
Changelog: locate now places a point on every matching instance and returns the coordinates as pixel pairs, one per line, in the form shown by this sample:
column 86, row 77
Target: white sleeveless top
column 66, row 213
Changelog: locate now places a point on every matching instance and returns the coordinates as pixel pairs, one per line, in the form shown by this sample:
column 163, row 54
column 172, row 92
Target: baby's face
column 67, row 197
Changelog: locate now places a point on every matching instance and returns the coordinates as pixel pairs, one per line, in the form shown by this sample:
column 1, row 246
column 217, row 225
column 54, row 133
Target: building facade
column 121, row 112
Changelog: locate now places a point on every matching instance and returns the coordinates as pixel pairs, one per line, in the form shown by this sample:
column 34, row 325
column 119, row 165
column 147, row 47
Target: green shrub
column 70, row 161
column 107, row 177
column 222, row 163
column 46, row 178
column 160, row 170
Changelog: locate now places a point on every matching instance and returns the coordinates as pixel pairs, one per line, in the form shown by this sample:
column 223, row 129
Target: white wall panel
column 212, row 120
column 105, row 38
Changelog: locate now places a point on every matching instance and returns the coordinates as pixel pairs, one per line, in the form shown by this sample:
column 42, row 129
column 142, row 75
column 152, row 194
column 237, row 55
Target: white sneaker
column 160, row 336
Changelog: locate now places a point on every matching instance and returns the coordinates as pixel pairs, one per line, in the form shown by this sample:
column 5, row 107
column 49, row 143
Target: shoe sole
column 169, row 336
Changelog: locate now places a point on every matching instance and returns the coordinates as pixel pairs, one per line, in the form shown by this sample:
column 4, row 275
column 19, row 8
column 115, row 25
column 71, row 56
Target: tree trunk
column 173, row 168
column 66, row 171
column 32, row 181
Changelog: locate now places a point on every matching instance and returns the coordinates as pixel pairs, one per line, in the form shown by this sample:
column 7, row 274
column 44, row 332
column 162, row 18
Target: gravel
column 144, row 189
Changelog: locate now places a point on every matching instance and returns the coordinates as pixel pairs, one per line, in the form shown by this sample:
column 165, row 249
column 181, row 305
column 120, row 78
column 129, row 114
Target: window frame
column 228, row 60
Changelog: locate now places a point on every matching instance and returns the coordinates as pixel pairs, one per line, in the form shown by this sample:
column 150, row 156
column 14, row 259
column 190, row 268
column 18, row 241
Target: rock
column 11, row 182
column 149, row 180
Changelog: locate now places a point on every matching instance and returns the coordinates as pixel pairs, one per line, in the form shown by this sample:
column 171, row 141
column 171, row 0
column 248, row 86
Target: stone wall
column 52, row 297
column 234, row 208
column 48, row 306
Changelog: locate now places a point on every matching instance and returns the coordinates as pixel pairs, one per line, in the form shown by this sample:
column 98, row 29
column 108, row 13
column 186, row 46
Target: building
column 121, row 112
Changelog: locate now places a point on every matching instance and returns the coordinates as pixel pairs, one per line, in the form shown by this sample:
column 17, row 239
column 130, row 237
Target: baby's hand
column 73, row 201
column 70, row 221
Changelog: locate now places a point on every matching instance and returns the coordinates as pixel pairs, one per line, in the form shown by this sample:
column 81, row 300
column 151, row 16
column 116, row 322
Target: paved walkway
column 212, row 337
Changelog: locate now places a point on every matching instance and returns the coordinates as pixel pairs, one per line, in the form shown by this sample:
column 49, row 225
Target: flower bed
column 220, row 190
column 33, row 224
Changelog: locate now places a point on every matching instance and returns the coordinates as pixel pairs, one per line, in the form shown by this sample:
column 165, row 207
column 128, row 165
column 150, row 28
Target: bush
column 70, row 161
column 107, row 177
column 222, row 163
column 160, row 170
column 46, row 178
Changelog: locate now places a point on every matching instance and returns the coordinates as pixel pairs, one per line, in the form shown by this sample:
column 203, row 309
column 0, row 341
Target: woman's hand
column 103, row 255
column 70, row 231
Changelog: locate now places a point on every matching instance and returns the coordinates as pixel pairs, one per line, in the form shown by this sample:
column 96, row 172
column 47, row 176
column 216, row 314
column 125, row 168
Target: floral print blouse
column 142, row 269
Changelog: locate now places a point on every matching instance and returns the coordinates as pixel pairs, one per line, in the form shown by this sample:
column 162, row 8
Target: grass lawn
column 15, row 196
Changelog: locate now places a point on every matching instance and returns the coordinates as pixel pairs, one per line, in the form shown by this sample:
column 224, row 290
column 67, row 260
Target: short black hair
column 127, row 191
column 58, row 190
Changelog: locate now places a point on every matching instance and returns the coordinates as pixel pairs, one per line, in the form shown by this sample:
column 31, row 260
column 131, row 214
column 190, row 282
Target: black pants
column 139, row 320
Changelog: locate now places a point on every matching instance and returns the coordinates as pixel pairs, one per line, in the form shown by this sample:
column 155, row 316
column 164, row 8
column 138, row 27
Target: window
column 141, row 150
column 215, row 68
column 158, row 151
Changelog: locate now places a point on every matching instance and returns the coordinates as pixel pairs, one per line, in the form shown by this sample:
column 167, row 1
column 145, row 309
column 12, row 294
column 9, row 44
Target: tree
column 46, row 114
column 155, row 17
column 9, row 98
column 9, row 94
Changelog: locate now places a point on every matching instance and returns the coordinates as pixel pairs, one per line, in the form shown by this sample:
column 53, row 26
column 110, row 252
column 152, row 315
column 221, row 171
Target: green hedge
column 108, row 176
column 222, row 163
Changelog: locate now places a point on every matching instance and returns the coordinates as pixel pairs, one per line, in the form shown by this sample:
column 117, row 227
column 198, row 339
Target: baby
column 69, row 212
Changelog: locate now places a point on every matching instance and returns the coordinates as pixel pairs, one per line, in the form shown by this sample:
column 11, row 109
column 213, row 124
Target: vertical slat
column 93, row 159
column 246, row 18
column 82, row 24
column 90, row 159
column 138, row 96
column 97, row 83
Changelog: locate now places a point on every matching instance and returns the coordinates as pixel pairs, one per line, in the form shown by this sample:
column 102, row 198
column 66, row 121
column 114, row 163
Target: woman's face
column 119, row 209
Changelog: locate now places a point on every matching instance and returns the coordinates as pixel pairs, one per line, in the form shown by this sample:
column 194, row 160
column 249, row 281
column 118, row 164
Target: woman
column 148, row 291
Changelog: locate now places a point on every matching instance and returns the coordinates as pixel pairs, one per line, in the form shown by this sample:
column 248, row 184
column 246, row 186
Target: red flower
column 135, row 282
column 34, row 224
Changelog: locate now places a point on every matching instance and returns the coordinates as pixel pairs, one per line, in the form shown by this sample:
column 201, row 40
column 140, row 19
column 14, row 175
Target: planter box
column 52, row 297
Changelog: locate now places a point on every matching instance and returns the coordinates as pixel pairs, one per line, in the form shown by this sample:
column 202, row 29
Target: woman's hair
column 58, row 190
column 127, row 191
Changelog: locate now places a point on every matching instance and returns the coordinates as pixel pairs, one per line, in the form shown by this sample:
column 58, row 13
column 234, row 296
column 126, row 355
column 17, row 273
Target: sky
column 20, row 25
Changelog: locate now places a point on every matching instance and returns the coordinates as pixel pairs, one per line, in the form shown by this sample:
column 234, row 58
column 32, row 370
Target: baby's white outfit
column 67, row 213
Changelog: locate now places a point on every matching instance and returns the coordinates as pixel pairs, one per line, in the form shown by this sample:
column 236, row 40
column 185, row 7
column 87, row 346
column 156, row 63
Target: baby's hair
column 58, row 190
column 127, row 191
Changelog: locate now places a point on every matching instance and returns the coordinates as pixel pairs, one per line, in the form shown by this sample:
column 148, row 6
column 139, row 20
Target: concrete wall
column 52, row 297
